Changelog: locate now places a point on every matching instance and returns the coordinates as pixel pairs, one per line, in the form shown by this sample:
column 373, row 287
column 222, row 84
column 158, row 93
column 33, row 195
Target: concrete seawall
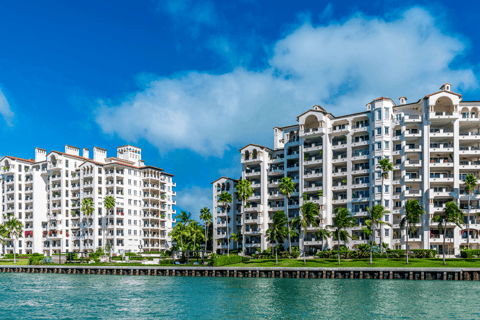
column 454, row 274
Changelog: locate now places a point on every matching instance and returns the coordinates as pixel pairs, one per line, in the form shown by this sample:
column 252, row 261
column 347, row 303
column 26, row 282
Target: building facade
column 433, row 144
column 46, row 194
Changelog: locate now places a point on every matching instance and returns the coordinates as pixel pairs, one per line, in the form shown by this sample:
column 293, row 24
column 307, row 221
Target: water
column 53, row 296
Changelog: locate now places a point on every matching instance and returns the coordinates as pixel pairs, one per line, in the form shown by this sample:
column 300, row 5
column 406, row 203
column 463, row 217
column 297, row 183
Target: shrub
column 226, row 260
column 470, row 253
column 424, row 253
column 35, row 260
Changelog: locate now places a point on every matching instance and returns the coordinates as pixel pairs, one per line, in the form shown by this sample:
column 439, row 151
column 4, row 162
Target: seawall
column 453, row 274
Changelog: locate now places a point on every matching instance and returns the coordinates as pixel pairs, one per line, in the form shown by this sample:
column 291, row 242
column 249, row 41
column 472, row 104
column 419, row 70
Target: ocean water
column 56, row 296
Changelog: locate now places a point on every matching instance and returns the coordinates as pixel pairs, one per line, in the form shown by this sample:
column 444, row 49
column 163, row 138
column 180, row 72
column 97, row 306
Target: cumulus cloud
column 5, row 109
column 193, row 199
column 341, row 66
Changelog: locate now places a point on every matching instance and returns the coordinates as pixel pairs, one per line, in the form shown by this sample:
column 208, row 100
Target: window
column 135, row 232
column 398, row 203
column 130, row 181
column 100, row 170
column 130, row 201
column 66, row 243
column 135, row 222
column 387, row 145
column 387, row 217
column 387, row 232
column 379, row 146
column 129, row 171
column 129, row 191
column 135, row 192
column 386, row 114
column 387, row 130
column 135, row 212
column 129, row 222
column 378, row 115
column 129, row 232
column 129, row 212
column 66, row 163
column 378, row 130
column 378, row 189
column 386, row 190
column 387, row 204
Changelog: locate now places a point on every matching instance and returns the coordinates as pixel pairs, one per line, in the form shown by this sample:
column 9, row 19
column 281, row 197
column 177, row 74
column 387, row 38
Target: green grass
column 20, row 262
column 363, row 263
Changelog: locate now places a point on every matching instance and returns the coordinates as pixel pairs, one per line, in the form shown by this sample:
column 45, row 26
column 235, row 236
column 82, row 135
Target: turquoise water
column 46, row 296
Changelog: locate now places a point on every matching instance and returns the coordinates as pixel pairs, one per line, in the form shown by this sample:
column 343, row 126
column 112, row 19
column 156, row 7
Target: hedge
column 23, row 256
column 417, row 253
column 226, row 260
column 470, row 253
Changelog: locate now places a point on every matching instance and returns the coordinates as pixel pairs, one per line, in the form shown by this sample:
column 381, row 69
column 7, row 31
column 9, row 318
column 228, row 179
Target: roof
column 152, row 167
column 71, row 146
column 256, row 145
column 20, row 159
column 431, row 94
column 128, row 145
column 223, row 177
column 324, row 112
column 381, row 98
column 70, row 155
column 100, row 148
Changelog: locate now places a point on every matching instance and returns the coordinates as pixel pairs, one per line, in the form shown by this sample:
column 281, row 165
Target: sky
column 191, row 82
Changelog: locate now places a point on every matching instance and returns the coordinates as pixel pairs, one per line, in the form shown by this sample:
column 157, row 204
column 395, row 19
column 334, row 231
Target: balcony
column 360, row 154
column 441, row 192
column 339, row 130
column 413, row 178
column 312, row 174
column 412, row 119
column 339, row 158
column 310, row 161
column 441, row 132
column 441, row 177
column 339, row 145
column 293, row 155
column 441, row 162
column 413, row 148
column 252, row 159
column 469, row 136
column 469, row 164
column 443, row 115
column 253, row 173
column 312, row 132
column 412, row 193
column 471, row 150
column 413, row 163
column 413, row 133
column 441, row 147
column 312, row 147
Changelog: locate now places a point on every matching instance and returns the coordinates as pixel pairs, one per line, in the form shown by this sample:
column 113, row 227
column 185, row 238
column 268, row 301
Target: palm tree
column 470, row 183
column 323, row 234
column 343, row 219
column 385, row 165
column 451, row 214
column 179, row 232
column 3, row 233
column 13, row 228
column 236, row 237
column 226, row 198
column 413, row 213
column 195, row 231
column 206, row 217
column 374, row 220
column 244, row 191
column 308, row 218
column 183, row 217
column 278, row 230
column 108, row 203
column 287, row 187
column 87, row 209
column 292, row 231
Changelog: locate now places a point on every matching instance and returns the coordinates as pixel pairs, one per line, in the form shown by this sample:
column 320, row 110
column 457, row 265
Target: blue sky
column 191, row 82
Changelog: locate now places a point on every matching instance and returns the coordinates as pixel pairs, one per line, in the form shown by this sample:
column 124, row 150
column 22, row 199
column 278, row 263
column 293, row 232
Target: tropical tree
column 385, row 166
column 470, row 184
column 226, row 198
column 292, row 231
column 13, row 228
column 195, row 232
column 278, row 230
column 287, row 187
column 206, row 217
column 323, row 234
column 413, row 213
column 236, row 237
column 343, row 219
column 375, row 220
column 183, row 217
column 245, row 191
column 87, row 209
column 179, row 233
column 307, row 218
column 451, row 214
column 3, row 233
column 108, row 203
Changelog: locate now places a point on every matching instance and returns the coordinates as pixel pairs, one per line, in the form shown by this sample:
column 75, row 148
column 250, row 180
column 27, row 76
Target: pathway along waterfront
column 455, row 274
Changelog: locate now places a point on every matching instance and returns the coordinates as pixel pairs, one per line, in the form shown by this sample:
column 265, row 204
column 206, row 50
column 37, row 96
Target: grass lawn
column 20, row 262
column 358, row 263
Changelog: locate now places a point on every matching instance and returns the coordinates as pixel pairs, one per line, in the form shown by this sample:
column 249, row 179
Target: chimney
column 445, row 87
column 74, row 151
column 99, row 154
column 277, row 138
column 85, row 153
column 40, row 155
column 403, row 100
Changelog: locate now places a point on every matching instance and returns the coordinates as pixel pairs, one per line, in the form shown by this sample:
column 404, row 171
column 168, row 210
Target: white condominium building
column 433, row 143
column 46, row 193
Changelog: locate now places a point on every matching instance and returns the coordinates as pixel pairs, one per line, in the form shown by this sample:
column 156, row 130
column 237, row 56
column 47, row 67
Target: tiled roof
column 15, row 158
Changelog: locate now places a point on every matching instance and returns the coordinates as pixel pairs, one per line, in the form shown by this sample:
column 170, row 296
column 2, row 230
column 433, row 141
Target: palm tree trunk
column 276, row 251
column 243, row 225
column 303, row 244
column 228, row 234
column 381, row 227
column 468, row 223
column 14, row 251
column 288, row 228
column 338, row 235
column 444, row 233
column 406, row 251
column 206, row 229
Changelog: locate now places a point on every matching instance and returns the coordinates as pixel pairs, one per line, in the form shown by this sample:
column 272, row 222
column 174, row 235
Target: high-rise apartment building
column 433, row 143
column 46, row 195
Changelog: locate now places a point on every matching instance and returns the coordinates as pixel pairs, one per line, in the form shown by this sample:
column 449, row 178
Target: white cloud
column 193, row 199
column 191, row 13
column 341, row 66
column 5, row 109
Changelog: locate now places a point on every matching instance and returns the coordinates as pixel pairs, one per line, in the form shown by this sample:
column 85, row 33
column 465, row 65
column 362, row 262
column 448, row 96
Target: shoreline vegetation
column 294, row 263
